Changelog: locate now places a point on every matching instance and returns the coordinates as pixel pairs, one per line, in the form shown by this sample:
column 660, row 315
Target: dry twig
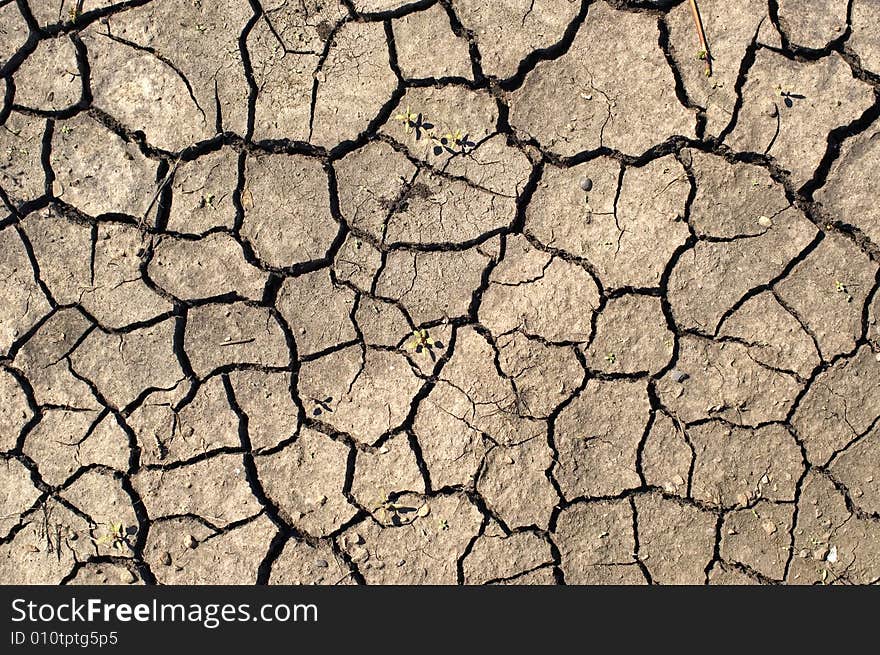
column 704, row 53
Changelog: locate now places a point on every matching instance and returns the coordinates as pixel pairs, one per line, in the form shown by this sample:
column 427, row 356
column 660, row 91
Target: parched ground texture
column 445, row 291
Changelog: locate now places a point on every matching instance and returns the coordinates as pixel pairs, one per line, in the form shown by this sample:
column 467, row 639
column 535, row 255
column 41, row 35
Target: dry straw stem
column 704, row 46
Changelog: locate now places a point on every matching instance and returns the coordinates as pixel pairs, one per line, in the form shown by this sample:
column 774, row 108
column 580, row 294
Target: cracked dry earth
column 448, row 291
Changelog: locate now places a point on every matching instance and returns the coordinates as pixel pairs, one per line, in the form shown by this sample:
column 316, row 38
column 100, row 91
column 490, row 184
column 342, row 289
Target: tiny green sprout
column 701, row 55
column 384, row 507
column 357, row 244
column 842, row 288
column 408, row 119
column 415, row 124
column 453, row 138
column 113, row 537
column 207, row 201
column 421, row 340
column 453, row 143
column 611, row 358
column 443, row 524
column 66, row 129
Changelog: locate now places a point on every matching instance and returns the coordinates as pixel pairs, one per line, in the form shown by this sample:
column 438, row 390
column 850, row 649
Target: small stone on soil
column 678, row 376
column 126, row 576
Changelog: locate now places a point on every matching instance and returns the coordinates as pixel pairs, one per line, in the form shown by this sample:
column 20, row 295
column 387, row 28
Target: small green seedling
column 421, row 341
column 453, row 143
column 842, row 288
column 414, row 124
column 443, row 524
column 116, row 536
column 611, row 358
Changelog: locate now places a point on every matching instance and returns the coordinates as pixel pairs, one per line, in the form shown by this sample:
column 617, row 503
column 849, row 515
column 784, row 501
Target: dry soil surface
column 443, row 291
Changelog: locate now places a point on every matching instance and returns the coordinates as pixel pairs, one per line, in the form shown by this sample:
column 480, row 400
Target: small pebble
column 190, row 541
column 678, row 376
column 165, row 559
column 764, row 221
column 126, row 576
column 401, row 562
column 586, row 184
column 321, row 563
column 769, row 527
